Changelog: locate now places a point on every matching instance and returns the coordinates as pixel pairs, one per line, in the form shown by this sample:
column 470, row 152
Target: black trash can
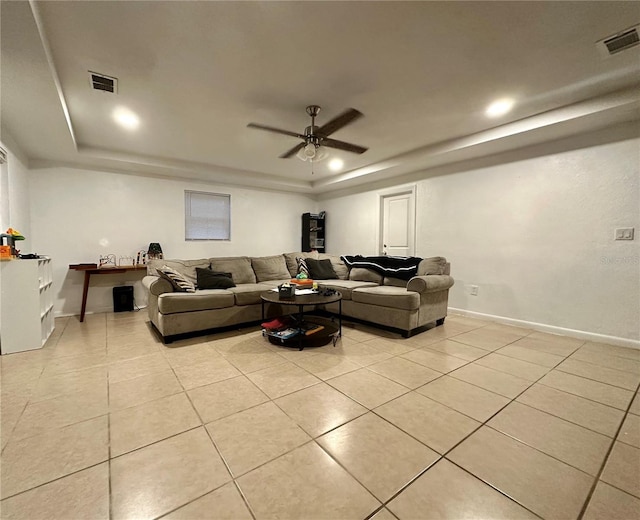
column 123, row 298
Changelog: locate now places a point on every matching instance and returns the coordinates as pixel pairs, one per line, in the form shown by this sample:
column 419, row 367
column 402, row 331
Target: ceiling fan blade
column 348, row 116
column 276, row 130
column 292, row 152
column 341, row 145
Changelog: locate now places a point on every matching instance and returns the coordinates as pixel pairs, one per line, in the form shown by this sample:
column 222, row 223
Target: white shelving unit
column 27, row 304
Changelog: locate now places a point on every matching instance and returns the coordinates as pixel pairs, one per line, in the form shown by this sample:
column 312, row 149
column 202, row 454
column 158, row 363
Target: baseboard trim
column 580, row 334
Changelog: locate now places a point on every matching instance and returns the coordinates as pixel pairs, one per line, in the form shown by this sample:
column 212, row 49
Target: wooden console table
column 90, row 269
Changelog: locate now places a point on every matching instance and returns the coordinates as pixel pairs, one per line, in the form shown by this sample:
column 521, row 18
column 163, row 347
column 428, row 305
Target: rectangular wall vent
column 103, row 83
column 619, row 42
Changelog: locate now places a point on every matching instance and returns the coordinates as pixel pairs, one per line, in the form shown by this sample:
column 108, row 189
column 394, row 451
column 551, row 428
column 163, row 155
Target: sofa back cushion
column 186, row 268
column 365, row 275
column 339, row 266
column 239, row 267
column 433, row 265
column 270, row 268
column 290, row 259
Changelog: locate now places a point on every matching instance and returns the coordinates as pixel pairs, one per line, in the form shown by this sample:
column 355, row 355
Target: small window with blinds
column 207, row 216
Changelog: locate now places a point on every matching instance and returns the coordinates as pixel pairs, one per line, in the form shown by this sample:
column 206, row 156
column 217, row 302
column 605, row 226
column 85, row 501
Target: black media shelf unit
column 313, row 232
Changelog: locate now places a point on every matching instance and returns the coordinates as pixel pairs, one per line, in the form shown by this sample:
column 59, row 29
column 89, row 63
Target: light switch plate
column 624, row 233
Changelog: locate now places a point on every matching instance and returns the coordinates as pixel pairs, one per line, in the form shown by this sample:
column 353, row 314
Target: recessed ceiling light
column 126, row 118
column 336, row 164
column 499, row 107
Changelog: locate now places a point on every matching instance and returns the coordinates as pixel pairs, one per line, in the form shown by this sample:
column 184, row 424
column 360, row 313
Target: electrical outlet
column 473, row 290
column 624, row 233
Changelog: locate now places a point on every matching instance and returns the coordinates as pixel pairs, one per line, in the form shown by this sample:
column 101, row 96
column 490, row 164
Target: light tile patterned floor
column 468, row 420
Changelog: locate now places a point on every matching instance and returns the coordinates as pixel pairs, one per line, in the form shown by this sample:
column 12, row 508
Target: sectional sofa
column 407, row 306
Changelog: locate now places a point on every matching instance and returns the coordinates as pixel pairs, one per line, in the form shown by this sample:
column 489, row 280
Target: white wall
column 352, row 224
column 14, row 196
column 78, row 215
column 536, row 236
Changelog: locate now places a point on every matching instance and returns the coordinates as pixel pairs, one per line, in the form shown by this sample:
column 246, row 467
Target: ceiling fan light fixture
column 312, row 152
column 321, row 154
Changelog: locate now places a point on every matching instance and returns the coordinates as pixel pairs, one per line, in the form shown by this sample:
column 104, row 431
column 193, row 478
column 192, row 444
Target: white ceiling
column 197, row 72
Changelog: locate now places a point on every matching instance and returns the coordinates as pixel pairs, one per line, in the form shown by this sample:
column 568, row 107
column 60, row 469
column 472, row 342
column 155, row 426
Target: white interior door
column 397, row 234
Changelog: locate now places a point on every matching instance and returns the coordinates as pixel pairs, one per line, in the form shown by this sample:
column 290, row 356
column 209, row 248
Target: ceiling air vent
column 619, row 42
column 103, row 83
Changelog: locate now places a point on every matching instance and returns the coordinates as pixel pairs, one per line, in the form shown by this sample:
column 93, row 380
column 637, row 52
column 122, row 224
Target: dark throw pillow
column 208, row 279
column 320, row 269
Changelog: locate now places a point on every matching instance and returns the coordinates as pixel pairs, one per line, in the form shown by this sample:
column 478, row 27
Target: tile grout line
column 592, row 363
column 606, row 459
column 57, row 339
column 201, row 425
column 597, row 380
column 587, row 398
column 568, row 420
column 348, row 472
column 443, row 456
column 54, row 480
column 219, row 452
column 109, row 448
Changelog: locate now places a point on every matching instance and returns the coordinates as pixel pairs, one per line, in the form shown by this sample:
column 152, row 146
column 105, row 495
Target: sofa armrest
column 156, row 285
column 430, row 283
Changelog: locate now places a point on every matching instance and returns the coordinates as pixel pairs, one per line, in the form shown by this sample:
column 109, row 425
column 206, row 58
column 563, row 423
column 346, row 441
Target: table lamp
column 155, row 251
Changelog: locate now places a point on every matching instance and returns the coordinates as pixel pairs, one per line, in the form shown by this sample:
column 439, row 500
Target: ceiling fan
column 316, row 136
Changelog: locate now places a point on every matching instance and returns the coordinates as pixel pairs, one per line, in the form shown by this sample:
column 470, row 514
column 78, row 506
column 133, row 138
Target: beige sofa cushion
column 339, row 266
column 396, row 282
column 239, row 267
column 433, row 265
column 248, row 293
column 345, row 287
column 184, row 267
column 365, row 275
column 387, row 296
column 270, row 268
column 176, row 302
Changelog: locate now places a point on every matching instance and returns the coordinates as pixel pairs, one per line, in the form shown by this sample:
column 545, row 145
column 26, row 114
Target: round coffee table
column 329, row 332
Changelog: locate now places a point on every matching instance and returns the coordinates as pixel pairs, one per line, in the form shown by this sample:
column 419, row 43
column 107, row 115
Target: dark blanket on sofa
column 403, row 267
